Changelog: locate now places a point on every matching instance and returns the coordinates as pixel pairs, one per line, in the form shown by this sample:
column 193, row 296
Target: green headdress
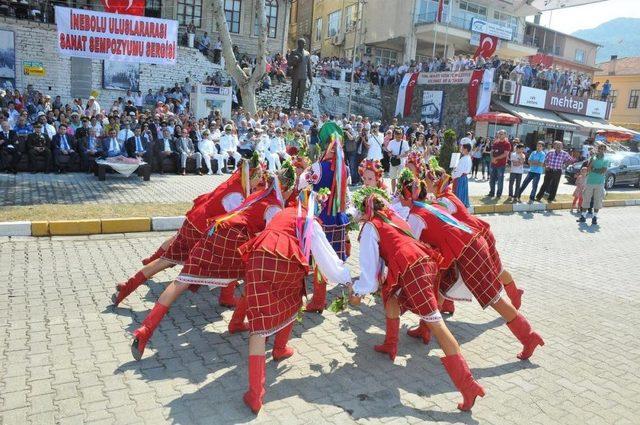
column 362, row 199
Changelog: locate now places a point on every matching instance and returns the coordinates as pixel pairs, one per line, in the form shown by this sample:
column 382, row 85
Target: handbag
column 395, row 160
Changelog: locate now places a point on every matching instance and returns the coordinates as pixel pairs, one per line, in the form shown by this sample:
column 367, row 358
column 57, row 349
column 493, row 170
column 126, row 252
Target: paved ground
column 75, row 188
column 64, row 353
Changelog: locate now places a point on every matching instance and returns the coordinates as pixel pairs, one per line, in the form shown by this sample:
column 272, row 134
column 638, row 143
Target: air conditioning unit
column 337, row 39
column 508, row 86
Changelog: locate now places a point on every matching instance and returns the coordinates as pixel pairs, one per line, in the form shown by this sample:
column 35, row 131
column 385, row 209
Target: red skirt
column 478, row 273
column 185, row 240
column 274, row 288
column 493, row 251
column 415, row 288
column 215, row 260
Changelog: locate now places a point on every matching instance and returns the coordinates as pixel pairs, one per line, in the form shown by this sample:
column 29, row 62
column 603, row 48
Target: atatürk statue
column 300, row 63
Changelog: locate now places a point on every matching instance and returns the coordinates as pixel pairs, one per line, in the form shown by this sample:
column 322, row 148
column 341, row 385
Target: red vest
column 449, row 240
column 399, row 250
column 253, row 216
column 462, row 213
column 209, row 205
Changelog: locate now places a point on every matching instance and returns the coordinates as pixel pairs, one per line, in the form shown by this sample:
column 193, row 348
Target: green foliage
column 448, row 147
column 360, row 195
column 406, row 176
column 339, row 304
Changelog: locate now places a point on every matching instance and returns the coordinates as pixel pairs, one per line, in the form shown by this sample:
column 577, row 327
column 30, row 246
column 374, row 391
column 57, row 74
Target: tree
column 246, row 80
column 448, row 147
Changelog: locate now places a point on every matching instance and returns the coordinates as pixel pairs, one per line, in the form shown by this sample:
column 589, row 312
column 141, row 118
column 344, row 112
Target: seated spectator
column 209, row 151
column 125, row 132
column 22, row 127
column 138, row 145
column 9, row 152
column 90, row 150
column 38, row 145
column 204, row 44
column 186, row 150
column 65, row 149
column 229, row 146
column 247, row 144
column 111, row 145
column 165, row 148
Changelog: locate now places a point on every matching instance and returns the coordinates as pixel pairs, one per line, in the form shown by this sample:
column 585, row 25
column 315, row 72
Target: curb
column 162, row 224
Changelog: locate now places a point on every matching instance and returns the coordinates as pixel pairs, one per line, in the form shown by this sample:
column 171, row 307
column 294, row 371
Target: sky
column 590, row 15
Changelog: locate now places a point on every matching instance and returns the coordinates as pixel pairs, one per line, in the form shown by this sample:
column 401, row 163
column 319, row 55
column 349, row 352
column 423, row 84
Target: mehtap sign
column 108, row 36
column 560, row 102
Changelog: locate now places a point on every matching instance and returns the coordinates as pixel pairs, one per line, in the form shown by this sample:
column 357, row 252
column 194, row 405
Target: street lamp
column 358, row 29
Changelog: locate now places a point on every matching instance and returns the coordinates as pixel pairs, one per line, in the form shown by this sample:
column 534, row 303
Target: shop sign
column 481, row 26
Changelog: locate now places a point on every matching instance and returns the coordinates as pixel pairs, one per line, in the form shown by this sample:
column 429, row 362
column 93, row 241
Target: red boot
column 421, row 331
column 237, row 323
column 390, row 345
column 447, row 307
column 281, row 350
column 458, row 370
column 226, row 298
column 319, row 299
column 144, row 332
column 159, row 253
column 124, row 289
column 253, row 397
column 521, row 328
column 514, row 294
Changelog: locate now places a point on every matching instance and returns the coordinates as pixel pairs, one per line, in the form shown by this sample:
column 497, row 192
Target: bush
column 447, row 147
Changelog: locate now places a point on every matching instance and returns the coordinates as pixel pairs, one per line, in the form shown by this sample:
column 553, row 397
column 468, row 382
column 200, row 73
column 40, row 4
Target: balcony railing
column 463, row 22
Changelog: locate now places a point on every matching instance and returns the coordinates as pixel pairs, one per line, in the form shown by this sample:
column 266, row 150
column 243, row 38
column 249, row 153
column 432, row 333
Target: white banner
column 481, row 26
column 534, row 98
column 445, row 77
column 109, row 36
column 432, row 103
column 598, row 109
column 484, row 97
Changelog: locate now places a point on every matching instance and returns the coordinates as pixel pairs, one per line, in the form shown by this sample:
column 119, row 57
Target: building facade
column 300, row 22
column 624, row 76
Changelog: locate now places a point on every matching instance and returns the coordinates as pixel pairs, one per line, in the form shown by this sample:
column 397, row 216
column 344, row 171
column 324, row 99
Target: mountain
column 620, row 36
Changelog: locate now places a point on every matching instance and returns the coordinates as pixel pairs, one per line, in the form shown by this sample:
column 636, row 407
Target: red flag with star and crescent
column 124, row 7
column 473, row 89
column 487, row 47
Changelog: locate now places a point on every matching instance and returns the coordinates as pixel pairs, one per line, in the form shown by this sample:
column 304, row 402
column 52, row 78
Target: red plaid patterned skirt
column 215, row 260
column 478, row 273
column 415, row 288
column 274, row 288
column 493, row 251
column 187, row 237
column 337, row 237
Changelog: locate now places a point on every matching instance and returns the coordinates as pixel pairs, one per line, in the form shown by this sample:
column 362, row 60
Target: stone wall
column 37, row 42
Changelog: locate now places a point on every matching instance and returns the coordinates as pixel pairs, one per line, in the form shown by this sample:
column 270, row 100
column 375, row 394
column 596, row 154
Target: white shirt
column 371, row 264
column 375, row 146
column 397, row 148
column 206, row 147
column 332, row 268
column 463, row 167
column 277, row 145
column 124, row 134
column 49, row 130
column 263, row 144
column 517, row 163
column 228, row 142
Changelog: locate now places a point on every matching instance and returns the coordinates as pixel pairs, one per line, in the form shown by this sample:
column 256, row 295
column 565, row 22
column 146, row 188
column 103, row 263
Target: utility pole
column 358, row 30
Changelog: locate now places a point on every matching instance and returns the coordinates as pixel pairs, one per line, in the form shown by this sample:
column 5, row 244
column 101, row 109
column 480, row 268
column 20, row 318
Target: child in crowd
column 460, row 179
column 515, row 177
column 577, row 193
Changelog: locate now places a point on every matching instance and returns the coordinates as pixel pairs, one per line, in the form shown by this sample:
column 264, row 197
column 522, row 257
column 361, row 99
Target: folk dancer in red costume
column 463, row 247
column 226, row 197
column 410, row 283
column 277, row 262
column 330, row 173
column 215, row 260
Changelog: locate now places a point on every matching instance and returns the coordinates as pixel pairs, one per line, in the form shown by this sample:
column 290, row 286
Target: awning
column 539, row 117
column 497, row 118
column 615, row 135
column 592, row 123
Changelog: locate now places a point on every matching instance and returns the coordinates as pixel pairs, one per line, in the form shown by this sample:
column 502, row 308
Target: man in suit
column 82, row 131
column 187, row 150
column 9, row 152
column 38, row 145
column 165, row 147
column 110, row 144
column 90, row 149
column 65, row 149
column 138, row 145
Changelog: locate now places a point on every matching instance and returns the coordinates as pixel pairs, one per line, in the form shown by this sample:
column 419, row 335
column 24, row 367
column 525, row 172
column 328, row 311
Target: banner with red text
column 124, row 7
column 108, row 36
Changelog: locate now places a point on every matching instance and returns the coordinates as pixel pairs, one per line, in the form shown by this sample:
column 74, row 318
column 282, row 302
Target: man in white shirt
column 229, row 146
column 277, row 150
column 209, row 151
column 47, row 128
column 125, row 133
column 375, row 142
column 398, row 149
column 93, row 107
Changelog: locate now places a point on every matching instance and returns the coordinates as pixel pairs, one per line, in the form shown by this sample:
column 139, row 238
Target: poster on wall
column 121, row 76
column 7, row 60
column 432, row 105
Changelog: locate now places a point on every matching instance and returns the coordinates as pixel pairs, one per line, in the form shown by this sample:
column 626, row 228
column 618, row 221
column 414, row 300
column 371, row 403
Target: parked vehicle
column 624, row 170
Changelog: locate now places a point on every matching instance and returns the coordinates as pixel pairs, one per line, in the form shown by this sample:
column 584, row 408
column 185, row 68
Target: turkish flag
column 440, row 10
column 124, row 7
column 488, row 45
column 473, row 89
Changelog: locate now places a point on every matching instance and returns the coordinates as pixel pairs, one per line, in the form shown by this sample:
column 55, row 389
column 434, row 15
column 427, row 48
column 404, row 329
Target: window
column 613, row 97
column 271, row 10
column 633, row 161
column 633, row 99
column 579, row 55
column 153, row 8
column 318, row 29
column 189, row 11
column 334, row 23
column 385, row 56
column 349, row 18
column 473, row 8
column 232, row 15
column 505, row 18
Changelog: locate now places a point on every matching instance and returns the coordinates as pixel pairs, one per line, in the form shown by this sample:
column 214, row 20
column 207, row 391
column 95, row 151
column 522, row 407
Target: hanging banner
column 484, row 96
column 444, row 77
column 487, row 47
column 405, row 94
column 472, row 91
column 432, row 106
column 108, row 36
column 124, row 7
